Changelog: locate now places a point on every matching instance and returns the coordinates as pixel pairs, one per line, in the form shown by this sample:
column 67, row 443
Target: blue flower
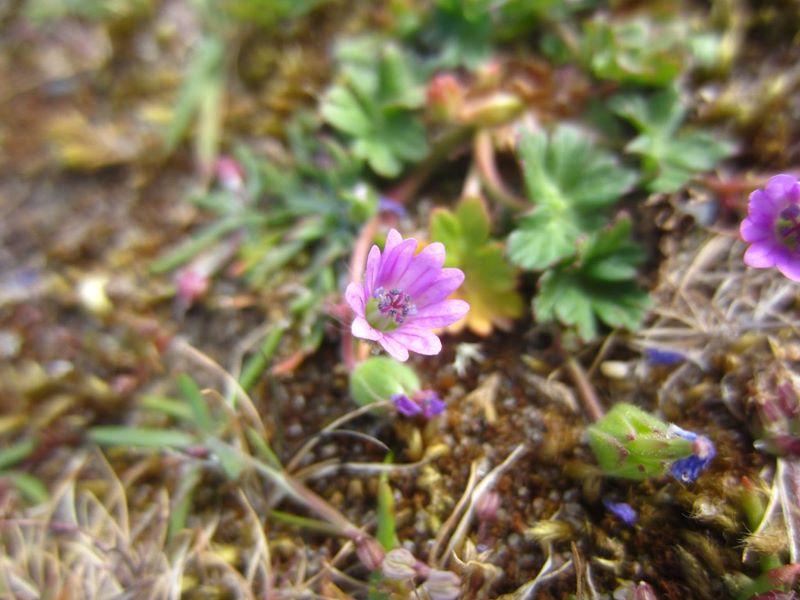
column 688, row 469
column 623, row 511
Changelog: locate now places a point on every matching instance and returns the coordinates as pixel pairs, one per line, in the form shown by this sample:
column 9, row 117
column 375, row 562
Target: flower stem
column 585, row 390
column 483, row 151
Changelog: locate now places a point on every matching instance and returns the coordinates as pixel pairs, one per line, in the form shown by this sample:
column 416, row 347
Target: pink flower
column 772, row 227
column 404, row 297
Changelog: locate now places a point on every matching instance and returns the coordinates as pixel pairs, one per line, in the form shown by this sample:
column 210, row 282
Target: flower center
column 787, row 226
column 388, row 310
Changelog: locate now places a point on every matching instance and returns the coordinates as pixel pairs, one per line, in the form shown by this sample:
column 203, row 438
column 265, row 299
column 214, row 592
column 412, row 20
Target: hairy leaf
column 637, row 50
column 570, row 181
column 671, row 155
column 599, row 285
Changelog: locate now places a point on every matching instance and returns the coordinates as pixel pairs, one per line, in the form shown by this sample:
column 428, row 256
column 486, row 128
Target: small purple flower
column 623, row 511
column 772, row 227
column 404, row 297
column 386, row 204
column 424, row 402
column 668, row 358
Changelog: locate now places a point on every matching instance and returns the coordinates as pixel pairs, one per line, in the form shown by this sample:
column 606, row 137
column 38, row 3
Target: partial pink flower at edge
column 404, row 297
column 772, row 227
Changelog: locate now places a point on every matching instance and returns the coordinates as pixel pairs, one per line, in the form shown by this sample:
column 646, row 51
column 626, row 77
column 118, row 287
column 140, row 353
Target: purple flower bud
column 487, row 506
column 399, row 565
column 663, row 357
column 432, row 405
column 406, row 405
column 643, row 591
column 191, row 284
column 230, row 173
column 370, row 552
column 425, row 402
column 386, row 204
column 772, row 227
column 443, row 585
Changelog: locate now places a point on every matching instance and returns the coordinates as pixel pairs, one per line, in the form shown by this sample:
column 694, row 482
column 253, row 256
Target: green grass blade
column 141, row 437
column 16, row 452
column 197, row 403
column 176, row 409
column 256, row 364
column 182, row 500
column 29, row 486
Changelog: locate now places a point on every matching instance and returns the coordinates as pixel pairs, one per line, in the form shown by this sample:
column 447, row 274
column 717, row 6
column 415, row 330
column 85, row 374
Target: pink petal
column 763, row 206
column 354, row 295
column 361, row 329
column 761, row 255
column 752, row 230
column 373, row 264
column 417, row 339
column 395, row 349
column 447, row 282
column 423, row 270
column 393, row 239
column 781, row 187
column 789, row 265
column 440, row 314
column 395, row 262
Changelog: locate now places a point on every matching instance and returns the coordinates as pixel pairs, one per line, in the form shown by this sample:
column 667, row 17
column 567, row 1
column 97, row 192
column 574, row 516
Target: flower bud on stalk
column 633, row 444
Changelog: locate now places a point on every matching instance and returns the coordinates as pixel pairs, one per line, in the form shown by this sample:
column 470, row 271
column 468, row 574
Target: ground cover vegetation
column 424, row 299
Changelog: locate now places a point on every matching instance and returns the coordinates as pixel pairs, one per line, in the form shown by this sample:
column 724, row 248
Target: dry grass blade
column 444, row 530
column 86, row 544
column 788, row 479
column 182, row 347
column 335, row 424
column 259, row 563
column 545, row 574
column 486, row 484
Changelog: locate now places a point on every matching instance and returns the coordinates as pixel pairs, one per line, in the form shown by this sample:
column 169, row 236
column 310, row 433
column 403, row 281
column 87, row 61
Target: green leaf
column 562, row 297
column 598, row 285
column 460, row 32
column 543, row 239
column 404, row 135
column 671, row 156
column 372, row 103
column 570, row 180
column 379, row 378
column 490, row 282
column 568, row 171
column 341, row 108
column 636, row 50
column 397, row 83
column 141, row 437
column 379, row 156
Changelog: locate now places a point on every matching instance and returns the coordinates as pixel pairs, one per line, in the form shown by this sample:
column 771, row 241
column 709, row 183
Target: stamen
column 787, row 226
column 395, row 304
